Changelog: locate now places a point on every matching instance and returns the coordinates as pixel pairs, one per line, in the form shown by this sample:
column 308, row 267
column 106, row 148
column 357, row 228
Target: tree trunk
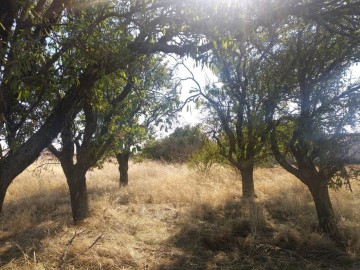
column 16, row 162
column 123, row 160
column 3, row 189
column 78, row 195
column 5, row 181
column 326, row 217
column 247, row 179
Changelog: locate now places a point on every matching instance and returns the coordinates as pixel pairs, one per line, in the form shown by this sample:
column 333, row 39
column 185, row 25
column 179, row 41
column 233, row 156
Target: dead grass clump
column 293, row 205
column 91, row 251
column 287, row 237
column 351, row 233
column 346, row 205
column 25, row 218
column 222, row 228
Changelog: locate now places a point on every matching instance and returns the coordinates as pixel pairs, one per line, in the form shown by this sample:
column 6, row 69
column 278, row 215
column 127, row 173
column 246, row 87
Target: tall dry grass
column 170, row 217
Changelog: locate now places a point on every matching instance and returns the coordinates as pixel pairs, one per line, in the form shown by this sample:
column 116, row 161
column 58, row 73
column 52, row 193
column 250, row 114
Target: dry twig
column 64, row 260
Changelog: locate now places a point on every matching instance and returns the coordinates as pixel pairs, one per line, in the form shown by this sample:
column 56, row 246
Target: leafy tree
column 52, row 53
column 319, row 112
column 89, row 137
column 157, row 102
column 129, row 143
column 239, row 108
column 39, row 90
column 101, row 122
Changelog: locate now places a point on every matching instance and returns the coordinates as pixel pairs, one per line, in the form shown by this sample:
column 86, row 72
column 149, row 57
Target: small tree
column 207, row 156
column 91, row 135
column 239, row 108
column 157, row 102
column 129, row 143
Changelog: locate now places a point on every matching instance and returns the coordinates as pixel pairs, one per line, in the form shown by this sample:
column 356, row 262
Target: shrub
column 204, row 158
column 177, row 147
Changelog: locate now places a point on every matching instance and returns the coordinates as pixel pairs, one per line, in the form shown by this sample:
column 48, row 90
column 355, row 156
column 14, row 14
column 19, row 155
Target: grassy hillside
column 173, row 218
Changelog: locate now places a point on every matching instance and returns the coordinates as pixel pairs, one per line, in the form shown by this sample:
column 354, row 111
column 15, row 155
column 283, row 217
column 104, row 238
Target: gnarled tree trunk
column 78, row 196
column 247, row 181
column 324, row 209
column 76, row 180
column 123, row 160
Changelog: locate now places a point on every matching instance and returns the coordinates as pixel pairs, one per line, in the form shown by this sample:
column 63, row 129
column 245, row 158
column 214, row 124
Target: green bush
column 177, row 147
column 204, row 158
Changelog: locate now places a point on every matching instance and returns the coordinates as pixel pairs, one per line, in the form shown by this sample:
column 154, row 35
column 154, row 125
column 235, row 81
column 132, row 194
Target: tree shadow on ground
column 26, row 222
column 239, row 235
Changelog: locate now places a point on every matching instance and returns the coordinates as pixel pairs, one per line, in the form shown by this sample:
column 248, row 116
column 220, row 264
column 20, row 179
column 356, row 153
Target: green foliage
column 312, row 133
column 114, row 109
column 155, row 101
column 177, row 147
column 206, row 157
column 239, row 108
column 344, row 177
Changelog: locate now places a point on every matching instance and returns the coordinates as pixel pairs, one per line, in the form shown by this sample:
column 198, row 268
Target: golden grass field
column 170, row 217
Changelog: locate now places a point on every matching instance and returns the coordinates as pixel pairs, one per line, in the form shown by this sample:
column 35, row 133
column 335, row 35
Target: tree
column 30, row 75
column 92, row 134
column 52, row 53
column 157, row 102
column 238, row 110
column 134, row 134
column 318, row 112
column 100, row 123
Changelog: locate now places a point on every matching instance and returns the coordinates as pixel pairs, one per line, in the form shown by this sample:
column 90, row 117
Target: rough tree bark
column 308, row 174
column 247, row 182
column 78, row 194
column 3, row 189
column 324, row 209
column 123, row 161
column 75, row 174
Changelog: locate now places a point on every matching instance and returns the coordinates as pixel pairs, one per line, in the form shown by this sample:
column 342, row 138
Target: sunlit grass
column 170, row 217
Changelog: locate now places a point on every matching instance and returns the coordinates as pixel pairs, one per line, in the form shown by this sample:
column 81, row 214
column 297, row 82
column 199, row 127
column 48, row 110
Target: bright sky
column 190, row 114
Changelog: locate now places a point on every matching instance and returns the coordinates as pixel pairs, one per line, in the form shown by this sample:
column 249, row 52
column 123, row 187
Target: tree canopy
column 86, row 69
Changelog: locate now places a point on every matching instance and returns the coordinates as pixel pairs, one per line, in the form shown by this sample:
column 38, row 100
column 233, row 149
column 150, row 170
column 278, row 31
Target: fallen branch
column 64, row 255
column 81, row 253
column 64, row 260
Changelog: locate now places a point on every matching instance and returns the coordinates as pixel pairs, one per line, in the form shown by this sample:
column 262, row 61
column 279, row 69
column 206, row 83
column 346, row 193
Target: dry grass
column 172, row 218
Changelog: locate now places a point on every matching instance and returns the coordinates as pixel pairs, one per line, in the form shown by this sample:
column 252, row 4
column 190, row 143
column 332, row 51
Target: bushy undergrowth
column 206, row 157
column 170, row 217
column 177, row 147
